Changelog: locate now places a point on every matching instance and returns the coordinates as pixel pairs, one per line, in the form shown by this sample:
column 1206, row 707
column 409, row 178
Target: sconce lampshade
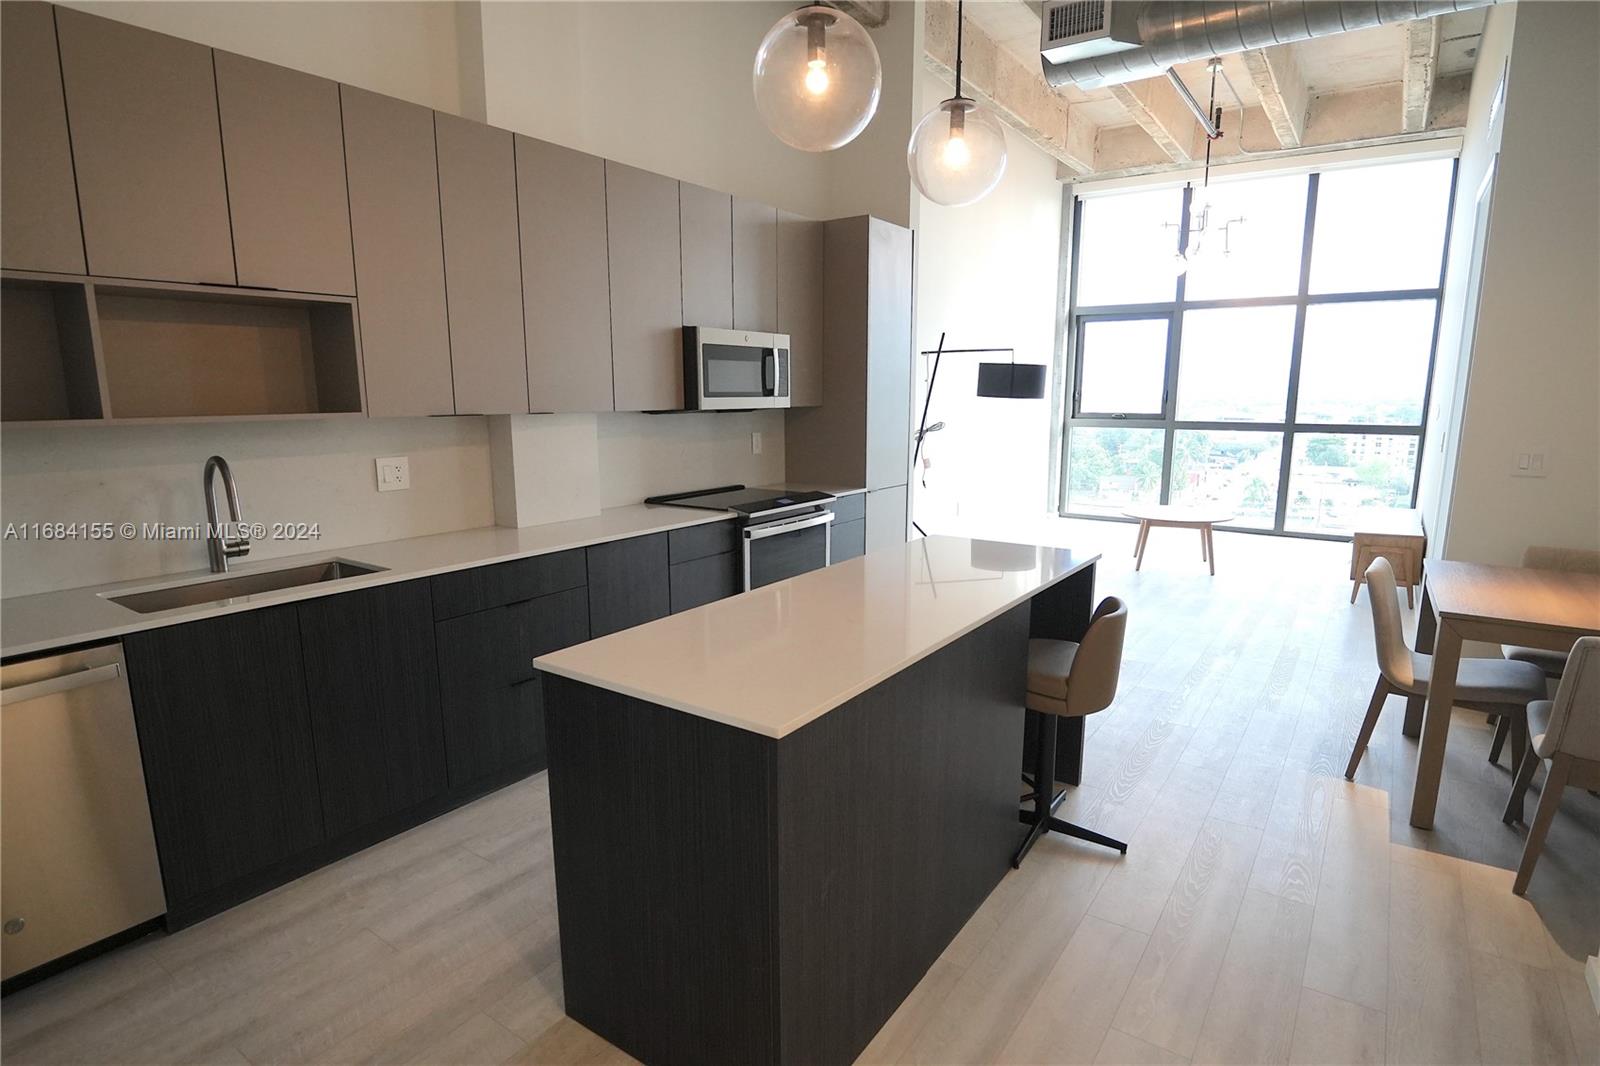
column 1011, row 381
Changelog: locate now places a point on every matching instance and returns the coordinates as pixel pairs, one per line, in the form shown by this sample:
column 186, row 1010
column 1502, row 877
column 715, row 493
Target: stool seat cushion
column 1049, row 667
column 1551, row 662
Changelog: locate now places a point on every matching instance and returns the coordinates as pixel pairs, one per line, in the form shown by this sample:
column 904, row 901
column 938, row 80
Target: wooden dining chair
column 1566, row 734
column 1070, row 680
column 1493, row 686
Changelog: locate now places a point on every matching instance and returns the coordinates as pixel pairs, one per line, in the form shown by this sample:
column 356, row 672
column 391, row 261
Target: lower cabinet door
column 493, row 702
column 373, row 685
column 628, row 584
column 700, row 581
column 849, row 540
column 225, row 733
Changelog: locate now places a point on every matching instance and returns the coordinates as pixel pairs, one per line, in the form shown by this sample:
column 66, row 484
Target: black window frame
column 1074, row 316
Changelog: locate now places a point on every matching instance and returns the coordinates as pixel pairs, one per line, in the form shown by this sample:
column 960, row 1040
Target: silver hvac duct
column 1180, row 31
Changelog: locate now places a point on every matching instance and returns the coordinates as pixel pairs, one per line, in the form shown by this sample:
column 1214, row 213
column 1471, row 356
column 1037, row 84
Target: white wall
column 313, row 471
column 663, row 85
column 986, row 277
column 1532, row 377
column 405, row 48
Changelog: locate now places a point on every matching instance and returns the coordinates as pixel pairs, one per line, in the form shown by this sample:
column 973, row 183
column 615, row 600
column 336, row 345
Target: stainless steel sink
column 238, row 586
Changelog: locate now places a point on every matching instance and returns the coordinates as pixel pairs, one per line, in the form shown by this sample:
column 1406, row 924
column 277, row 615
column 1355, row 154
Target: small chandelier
column 1202, row 233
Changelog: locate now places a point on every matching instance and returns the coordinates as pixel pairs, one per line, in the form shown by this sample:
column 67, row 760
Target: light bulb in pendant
column 817, row 78
column 956, row 153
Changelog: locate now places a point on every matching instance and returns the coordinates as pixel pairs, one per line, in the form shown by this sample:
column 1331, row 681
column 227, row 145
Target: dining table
column 1464, row 601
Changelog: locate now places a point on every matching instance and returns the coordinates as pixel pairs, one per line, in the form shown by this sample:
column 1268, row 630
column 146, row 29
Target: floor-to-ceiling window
column 1280, row 370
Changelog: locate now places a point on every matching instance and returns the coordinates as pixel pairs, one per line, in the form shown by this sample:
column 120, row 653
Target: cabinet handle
column 32, row 690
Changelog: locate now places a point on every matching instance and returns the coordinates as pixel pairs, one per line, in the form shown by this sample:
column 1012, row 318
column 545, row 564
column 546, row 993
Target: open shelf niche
column 112, row 350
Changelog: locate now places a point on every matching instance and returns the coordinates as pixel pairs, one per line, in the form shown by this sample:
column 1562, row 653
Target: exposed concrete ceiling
column 1378, row 85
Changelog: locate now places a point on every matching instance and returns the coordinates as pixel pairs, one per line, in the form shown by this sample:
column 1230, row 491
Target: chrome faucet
column 219, row 545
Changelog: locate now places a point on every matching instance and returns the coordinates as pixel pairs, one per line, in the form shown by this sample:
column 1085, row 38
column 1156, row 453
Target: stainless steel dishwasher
column 77, row 852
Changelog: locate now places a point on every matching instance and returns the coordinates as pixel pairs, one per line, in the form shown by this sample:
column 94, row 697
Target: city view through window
column 1282, row 377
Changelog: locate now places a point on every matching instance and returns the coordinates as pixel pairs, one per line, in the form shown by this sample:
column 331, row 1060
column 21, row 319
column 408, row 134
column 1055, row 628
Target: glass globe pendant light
column 957, row 152
column 817, row 78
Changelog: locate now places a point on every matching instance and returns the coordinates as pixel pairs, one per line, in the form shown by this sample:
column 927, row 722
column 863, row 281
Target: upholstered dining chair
column 1493, row 686
column 1070, row 680
column 1566, row 734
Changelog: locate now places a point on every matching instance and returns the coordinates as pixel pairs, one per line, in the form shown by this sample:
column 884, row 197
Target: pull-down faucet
column 219, row 545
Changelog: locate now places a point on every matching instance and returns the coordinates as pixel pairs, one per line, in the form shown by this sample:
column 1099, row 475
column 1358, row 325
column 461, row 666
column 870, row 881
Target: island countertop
column 775, row 658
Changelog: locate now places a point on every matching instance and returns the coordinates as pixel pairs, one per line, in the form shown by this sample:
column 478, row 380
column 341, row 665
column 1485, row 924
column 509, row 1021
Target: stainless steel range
column 784, row 533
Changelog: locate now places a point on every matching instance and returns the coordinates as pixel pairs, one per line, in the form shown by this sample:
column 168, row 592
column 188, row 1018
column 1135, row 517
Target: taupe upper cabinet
column 646, row 289
column 706, row 219
column 394, row 222
column 284, row 154
column 566, row 292
column 755, row 266
column 482, row 266
column 142, row 111
column 38, row 204
column 800, row 304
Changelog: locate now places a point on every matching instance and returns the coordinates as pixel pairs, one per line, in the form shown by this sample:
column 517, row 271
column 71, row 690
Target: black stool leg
column 1040, row 820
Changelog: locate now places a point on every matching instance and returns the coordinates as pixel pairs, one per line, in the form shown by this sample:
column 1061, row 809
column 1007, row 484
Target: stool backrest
column 1575, row 715
column 1575, row 560
column 1098, row 663
column 1388, row 637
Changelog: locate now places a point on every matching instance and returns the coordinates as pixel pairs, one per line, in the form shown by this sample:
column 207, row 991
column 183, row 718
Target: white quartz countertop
column 31, row 624
column 772, row 659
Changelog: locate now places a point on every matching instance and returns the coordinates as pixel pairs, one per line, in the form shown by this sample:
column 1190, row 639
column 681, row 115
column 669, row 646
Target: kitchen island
column 772, row 813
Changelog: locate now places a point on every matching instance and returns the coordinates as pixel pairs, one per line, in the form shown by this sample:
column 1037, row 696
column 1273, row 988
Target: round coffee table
column 1179, row 518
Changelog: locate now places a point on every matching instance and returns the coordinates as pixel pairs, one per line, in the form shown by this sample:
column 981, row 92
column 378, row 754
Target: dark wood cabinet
column 146, row 145
column 225, row 732
column 493, row 699
column 38, row 201
column 700, row 581
column 849, row 540
column 628, row 583
column 373, row 685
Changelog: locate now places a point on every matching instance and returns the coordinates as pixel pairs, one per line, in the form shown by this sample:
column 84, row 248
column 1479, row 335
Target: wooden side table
column 1395, row 535
column 1178, row 518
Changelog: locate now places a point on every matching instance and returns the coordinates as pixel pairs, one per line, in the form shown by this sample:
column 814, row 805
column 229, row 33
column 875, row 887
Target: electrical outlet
column 755, row 444
column 394, row 473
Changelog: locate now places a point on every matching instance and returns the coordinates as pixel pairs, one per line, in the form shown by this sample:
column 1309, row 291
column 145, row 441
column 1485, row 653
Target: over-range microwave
column 734, row 369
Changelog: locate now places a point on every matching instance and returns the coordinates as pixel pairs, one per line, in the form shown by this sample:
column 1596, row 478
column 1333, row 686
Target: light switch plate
column 755, row 444
column 394, row 473
column 1530, row 462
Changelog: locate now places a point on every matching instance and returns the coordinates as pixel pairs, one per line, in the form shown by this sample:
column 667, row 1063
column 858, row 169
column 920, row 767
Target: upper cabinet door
column 394, row 221
column 646, row 289
column 889, row 363
column 142, row 109
column 566, row 290
column 284, row 156
column 482, row 266
column 38, row 199
column 755, row 266
column 706, row 219
column 800, row 304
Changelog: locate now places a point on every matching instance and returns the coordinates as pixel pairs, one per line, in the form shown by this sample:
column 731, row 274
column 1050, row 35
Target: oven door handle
column 791, row 525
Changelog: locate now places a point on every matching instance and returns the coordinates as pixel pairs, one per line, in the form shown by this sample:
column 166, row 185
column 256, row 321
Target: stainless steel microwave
column 734, row 369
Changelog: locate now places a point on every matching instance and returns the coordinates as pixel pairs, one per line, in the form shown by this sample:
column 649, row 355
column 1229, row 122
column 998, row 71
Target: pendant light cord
column 959, row 4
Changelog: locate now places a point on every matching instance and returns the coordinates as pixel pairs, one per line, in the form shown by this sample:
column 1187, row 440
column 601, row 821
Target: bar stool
column 1070, row 680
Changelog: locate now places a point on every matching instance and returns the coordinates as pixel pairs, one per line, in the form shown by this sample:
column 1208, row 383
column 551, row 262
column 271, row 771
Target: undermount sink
column 235, row 586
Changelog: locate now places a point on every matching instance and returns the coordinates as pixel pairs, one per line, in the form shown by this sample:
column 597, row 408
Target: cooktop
column 748, row 502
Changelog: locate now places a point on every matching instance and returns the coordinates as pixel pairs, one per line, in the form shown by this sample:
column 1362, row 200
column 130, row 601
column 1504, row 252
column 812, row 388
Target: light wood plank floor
column 1267, row 910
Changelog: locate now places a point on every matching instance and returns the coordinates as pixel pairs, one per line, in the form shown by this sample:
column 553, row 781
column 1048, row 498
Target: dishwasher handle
column 32, row 690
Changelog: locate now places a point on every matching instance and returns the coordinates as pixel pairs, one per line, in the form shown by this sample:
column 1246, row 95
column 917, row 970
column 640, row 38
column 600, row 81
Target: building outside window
column 1283, row 373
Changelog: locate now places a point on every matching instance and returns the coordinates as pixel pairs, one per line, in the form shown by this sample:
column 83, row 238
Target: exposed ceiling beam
column 1017, row 93
column 1158, row 110
column 1421, row 60
column 1338, row 120
column 1282, row 90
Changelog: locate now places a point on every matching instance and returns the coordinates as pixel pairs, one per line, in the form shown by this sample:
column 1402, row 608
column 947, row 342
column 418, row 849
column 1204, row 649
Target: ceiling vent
column 1082, row 29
